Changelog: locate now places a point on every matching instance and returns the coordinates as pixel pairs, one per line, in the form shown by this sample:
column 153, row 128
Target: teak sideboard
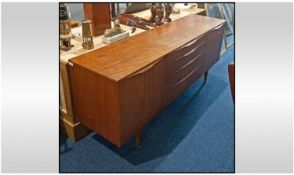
column 119, row 88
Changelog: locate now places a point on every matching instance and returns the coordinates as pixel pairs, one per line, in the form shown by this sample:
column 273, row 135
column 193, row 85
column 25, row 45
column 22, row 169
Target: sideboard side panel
column 96, row 102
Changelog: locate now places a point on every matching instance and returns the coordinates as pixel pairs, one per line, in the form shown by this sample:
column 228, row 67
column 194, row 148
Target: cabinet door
column 214, row 44
column 140, row 99
column 95, row 102
column 153, row 90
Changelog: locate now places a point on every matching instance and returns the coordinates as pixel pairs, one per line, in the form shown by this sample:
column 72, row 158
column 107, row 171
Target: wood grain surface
column 119, row 88
column 73, row 127
column 122, row 58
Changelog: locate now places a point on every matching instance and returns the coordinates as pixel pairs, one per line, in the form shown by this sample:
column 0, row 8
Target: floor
column 193, row 134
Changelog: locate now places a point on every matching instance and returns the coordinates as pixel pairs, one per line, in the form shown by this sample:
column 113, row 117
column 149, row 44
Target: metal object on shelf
column 65, row 28
column 157, row 14
column 87, row 34
column 115, row 30
column 63, row 12
column 168, row 10
column 134, row 21
column 114, row 34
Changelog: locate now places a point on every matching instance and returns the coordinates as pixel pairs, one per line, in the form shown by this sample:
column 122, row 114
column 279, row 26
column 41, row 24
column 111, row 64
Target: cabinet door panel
column 153, row 90
column 140, row 99
column 96, row 102
column 214, row 44
column 131, row 99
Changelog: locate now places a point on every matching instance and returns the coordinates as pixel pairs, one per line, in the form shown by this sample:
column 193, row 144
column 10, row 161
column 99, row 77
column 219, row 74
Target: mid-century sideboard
column 119, row 88
column 70, row 124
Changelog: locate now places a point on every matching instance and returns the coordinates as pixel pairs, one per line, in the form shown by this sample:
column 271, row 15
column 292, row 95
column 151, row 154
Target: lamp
column 65, row 28
column 87, row 34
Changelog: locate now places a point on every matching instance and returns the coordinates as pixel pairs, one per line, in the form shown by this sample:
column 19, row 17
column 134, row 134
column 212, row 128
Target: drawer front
column 176, row 76
column 183, row 67
column 179, row 52
column 178, row 62
column 171, row 93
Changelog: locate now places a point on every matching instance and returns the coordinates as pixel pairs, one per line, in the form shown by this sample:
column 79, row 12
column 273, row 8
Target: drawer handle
column 186, row 76
column 218, row 27
column 190, row 62
column 190, row 52
column 189, row 43
column 194, row 49
column 143, row 70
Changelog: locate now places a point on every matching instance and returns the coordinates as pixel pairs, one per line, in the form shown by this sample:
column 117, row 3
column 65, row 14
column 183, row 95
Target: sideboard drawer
column 188, row 47
column 176, row 63
column 176, row 76
column 174, row 91
column 183, row 66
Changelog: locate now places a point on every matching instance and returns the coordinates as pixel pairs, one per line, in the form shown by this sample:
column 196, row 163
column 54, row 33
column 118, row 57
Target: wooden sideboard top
column 128, row 56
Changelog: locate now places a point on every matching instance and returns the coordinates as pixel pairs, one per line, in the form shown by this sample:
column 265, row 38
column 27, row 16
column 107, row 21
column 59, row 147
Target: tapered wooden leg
column 138, row 138
column 205, row 76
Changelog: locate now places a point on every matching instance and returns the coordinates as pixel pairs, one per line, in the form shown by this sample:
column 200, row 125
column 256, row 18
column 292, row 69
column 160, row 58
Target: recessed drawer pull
column 143, row 70
column 194, row 49
column 218, row 27
column 185, row 77
column 190, row 52
column 191, row 61
column 190, row 43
